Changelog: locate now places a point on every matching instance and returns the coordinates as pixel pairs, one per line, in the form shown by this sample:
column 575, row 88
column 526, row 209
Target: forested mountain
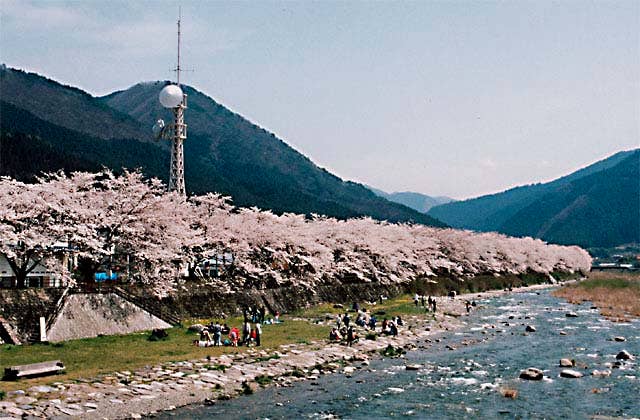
column 595, row 206
column 46, row 126
column 417, row 201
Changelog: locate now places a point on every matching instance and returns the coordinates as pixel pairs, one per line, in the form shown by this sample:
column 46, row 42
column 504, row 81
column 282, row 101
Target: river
column 466, row 382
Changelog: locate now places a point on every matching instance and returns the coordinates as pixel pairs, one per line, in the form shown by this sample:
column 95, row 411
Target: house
column 40, row 276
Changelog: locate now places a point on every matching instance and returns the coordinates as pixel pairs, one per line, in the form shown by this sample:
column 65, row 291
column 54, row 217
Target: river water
column 466, row 382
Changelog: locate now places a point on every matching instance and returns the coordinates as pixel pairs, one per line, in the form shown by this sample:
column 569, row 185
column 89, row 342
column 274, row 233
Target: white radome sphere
column 171, row 96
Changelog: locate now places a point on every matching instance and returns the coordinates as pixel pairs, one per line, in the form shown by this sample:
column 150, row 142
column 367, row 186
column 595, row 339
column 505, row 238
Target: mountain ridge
column 524, row 210
column 224, row 152
column 417, row 201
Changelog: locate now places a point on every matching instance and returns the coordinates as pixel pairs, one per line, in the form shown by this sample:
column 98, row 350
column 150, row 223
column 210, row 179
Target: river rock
column 567, row 363
column 624, row 355
column 530, row 328
column 25, row 400
column 413, row 367
column 619, row 339
column 531, row 374
column 570, row 373
column 196, row 328
column 571, row 315
column 601, row 373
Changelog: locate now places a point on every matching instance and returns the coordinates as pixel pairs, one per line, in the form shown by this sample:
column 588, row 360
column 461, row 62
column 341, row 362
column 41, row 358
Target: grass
column 400, row 305
column 617, row 295
column 91, row 357
column 88, row 358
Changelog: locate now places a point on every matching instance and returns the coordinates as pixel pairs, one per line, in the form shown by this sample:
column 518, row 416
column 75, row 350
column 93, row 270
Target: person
column 468, row 305
column 217, row 334
column 393, row 329
column 399, row 321
column 334, row 335
column 346, row 320
column 258, row 334
column 434, row 305
column 205, row 336
column 372, row 323
column 225, row 329
column 338, row 321
column 252, row 337
column 422, row 300
column 385, row 325
column 430, row 302
column 263, row 312
column 276, row 318
column 246, row 332
column 351, row 336
column 234, row 335
column 355, row 306
column 416, row 298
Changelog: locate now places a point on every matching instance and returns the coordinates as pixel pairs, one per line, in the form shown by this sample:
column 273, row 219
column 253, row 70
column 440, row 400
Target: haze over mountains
column 47, row 126
column 417, row 201
column 597, row 206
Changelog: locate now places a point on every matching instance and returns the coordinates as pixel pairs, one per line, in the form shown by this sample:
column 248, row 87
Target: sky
column 454, row 98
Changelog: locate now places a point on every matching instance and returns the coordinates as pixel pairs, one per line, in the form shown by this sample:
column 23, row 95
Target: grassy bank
column 617, row 295
column 88, row 358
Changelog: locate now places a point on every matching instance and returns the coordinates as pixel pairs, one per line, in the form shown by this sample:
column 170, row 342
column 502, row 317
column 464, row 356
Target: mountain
column 596, row 206
column 46, row 126
column 416, row 201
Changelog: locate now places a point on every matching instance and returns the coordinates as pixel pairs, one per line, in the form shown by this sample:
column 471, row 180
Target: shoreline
column 168, row 386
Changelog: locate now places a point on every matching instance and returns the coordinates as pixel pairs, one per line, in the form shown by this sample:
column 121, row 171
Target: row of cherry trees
column 102, row 215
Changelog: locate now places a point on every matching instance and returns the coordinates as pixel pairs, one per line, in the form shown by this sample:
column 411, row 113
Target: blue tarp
column 102, row 276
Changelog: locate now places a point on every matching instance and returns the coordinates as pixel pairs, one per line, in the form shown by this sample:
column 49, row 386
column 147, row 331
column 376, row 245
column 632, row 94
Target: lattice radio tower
column 172, row 97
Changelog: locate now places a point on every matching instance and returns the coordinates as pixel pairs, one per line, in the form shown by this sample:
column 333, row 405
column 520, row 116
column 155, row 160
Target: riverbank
column 168, row 385
column 615, row 294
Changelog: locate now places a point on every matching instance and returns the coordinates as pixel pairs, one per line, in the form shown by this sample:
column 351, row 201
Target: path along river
column 466, row 382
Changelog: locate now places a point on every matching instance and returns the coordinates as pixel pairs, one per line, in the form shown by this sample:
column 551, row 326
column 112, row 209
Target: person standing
column 258, row 334
column 246, row 332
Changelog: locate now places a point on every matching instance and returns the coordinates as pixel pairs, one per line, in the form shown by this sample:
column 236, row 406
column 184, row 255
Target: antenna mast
column 174, row 98
column 177, row 70
column 179, row 132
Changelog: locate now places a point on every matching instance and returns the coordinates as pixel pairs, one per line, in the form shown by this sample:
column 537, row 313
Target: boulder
column 567, row 363
column 571, row 315
column 619, row 339
column 530, row 328
column 624, row 355
column 570, row 373
column 531, row 374
column 413, row 367
column 601, row 373
column 196, row 328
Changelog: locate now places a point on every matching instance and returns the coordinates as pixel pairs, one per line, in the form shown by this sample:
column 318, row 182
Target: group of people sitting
column 346, row 330
column 212, row 335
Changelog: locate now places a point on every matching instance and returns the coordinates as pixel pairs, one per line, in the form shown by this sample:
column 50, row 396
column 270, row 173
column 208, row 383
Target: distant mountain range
column 597, row 206
column 417, row 201
column 47, row 126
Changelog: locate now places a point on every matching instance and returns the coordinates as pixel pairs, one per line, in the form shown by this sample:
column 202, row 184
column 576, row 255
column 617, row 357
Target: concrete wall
column 88, row 315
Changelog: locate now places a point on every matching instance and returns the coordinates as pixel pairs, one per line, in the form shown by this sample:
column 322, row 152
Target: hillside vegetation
column 595, row 206
column 224, row 152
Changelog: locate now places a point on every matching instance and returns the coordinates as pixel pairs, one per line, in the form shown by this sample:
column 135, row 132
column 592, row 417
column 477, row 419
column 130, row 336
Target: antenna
column 171, row 96
column 178, row 69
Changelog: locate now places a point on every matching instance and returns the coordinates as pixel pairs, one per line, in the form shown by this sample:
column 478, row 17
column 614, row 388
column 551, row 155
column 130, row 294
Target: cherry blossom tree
column 126, row 219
